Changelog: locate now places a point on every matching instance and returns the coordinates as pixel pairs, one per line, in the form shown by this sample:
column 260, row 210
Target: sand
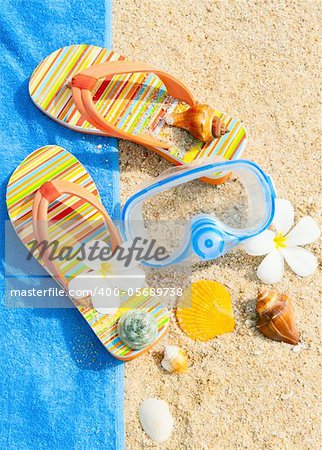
column 259, row 61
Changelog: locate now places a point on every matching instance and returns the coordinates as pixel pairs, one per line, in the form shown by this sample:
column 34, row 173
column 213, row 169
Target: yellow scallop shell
column 205, row 311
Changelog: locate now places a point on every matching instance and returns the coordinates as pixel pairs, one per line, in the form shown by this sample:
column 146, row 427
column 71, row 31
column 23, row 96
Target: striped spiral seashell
column 201, row 121
column 276, row 316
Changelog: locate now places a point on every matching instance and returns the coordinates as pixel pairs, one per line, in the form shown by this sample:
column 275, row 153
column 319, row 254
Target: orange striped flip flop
column 93, row 90
column 51, row 197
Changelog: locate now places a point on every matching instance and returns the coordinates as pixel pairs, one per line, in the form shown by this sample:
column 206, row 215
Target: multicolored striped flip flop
column 93, row 90
column 51, row 194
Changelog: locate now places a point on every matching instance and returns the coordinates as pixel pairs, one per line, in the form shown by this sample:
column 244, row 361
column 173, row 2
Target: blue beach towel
column 59, row 387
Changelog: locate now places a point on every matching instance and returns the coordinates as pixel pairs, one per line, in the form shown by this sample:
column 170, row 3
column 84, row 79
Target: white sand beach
column 258, row 61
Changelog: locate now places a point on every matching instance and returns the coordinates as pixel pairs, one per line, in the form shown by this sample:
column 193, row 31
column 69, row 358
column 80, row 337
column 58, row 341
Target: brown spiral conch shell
column 201, row 121
column 276, row 316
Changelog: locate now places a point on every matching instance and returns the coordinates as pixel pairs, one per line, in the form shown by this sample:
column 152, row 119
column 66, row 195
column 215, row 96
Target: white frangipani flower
column 106, row 278
column 284, row 243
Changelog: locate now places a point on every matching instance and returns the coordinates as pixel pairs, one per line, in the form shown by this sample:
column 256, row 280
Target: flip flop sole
column 53, row 162
column 136, row 103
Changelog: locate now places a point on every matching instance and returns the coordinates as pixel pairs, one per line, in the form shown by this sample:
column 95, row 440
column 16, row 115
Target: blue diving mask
column 189, row 221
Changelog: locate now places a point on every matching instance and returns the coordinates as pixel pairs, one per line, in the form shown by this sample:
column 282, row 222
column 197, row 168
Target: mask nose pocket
column 207, row 241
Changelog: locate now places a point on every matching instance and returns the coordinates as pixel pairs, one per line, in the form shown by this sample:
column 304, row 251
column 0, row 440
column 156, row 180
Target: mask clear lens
column 167, row 215
column 166, row 211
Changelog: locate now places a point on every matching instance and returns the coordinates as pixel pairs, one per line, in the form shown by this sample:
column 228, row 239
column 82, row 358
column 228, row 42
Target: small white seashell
column 175, row 359
column 156, row 419
column 288, row 395
column 249, row 323
column 299, row 347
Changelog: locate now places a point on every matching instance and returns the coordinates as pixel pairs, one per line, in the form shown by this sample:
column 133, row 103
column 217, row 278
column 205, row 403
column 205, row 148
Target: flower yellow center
column 105, row 268
column 279, row 240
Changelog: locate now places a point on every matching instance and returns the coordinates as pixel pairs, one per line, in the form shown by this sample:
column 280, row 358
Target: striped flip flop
column 93, row 90
column 51, row 194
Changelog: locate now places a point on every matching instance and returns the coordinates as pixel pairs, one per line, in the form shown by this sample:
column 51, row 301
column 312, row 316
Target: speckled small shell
column 175, row 359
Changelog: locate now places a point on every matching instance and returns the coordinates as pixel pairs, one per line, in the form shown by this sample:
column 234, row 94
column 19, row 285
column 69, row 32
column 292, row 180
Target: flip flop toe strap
column 46, row 194
column 83, row 83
